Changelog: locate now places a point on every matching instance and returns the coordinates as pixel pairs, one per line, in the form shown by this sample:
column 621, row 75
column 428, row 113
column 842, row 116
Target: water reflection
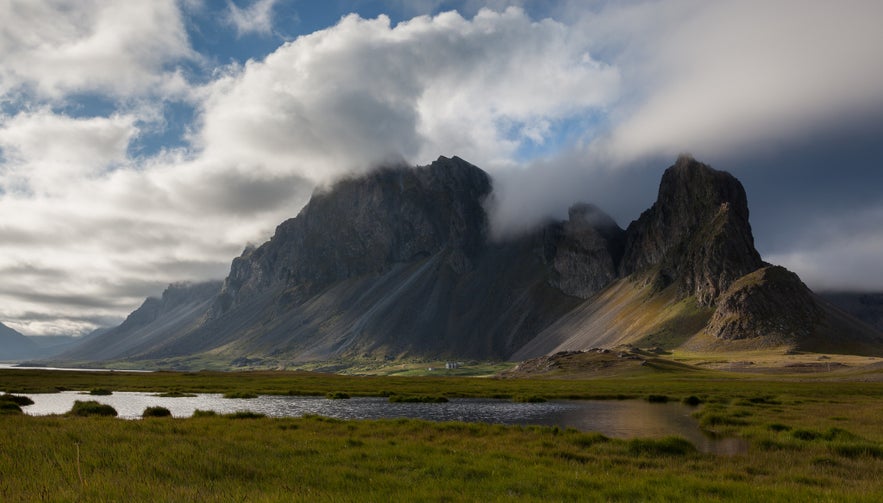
column 618, row 419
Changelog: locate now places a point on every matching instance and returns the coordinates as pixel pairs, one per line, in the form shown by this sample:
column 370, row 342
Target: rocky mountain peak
column 364, row 225
column 696, row 234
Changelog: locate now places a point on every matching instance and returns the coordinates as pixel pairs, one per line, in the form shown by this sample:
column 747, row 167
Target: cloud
column 714, row 77
column 836, row 253
column 364, row 92
column 257, row 18
column 45, row 152
column 740, row 85
column 55, row 47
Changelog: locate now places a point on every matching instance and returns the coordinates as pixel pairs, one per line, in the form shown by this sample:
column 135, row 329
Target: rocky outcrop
column 770, row 303
column 584, row 251
column 696, row 235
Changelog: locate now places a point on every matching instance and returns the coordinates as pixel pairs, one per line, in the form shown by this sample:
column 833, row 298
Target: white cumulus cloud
column 55, row 47
column 363, row 92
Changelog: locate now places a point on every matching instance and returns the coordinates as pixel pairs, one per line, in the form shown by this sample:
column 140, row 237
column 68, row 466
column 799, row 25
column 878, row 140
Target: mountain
column 866, row 306
column 400, row 263
column 690, row 277
column 15, row 346
column 180, row 309
column 695, row 236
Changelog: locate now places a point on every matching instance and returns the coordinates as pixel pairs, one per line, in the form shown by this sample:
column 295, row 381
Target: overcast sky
column 143, row 143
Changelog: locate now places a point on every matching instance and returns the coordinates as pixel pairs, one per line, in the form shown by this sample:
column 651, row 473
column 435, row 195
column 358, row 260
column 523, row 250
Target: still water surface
column 619, row 419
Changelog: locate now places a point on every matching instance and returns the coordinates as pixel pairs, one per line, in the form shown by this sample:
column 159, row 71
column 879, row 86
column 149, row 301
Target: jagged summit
column 696, row 234
column 366, row 225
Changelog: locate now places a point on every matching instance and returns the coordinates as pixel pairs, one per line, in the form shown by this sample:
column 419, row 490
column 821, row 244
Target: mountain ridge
column 400, row 263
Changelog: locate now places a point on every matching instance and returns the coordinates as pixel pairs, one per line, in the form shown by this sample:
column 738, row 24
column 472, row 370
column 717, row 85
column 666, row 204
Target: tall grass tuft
column 92, row 408
column 9, row 408
column 156, row 412
column 668, row 446
column 16, row 399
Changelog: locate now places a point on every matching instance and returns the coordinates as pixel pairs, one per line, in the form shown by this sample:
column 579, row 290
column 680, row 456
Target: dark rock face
column 696, row 234
column 771, row 303
column 365, row 225
column 584, row 251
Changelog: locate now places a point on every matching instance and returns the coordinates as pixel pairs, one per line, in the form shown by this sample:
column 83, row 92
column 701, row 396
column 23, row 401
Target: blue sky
column 143, row 143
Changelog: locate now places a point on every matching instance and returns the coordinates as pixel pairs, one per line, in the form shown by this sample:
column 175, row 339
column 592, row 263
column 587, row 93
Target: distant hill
column 15, row 346
column 866, row 306
column 400, row 263
column 180, row 309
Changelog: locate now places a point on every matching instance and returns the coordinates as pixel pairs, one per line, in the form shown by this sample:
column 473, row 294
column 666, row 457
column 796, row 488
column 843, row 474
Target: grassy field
column 809, row 440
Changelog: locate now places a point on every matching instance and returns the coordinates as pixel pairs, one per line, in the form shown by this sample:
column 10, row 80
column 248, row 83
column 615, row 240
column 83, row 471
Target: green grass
column 808, row 441
column 16, row 399
column 10, row 408
column 219, row 458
